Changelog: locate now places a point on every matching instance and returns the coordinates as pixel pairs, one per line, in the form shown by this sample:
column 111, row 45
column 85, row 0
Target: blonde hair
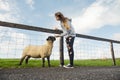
column 63, row 19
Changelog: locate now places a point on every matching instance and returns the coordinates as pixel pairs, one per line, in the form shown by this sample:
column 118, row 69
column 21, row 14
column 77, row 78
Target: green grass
column 13, row 63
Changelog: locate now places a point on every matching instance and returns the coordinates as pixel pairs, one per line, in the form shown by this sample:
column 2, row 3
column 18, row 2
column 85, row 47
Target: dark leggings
column 70, row 41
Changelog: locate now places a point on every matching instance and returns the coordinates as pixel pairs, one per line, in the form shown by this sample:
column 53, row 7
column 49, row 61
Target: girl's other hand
column 55, row 28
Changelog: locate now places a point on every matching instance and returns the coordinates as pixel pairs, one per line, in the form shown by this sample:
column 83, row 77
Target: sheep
column 41, row 51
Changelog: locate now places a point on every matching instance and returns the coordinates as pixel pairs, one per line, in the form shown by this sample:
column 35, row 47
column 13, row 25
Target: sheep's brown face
column 51, row 38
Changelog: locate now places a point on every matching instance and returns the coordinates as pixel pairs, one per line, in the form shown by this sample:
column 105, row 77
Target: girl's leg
column 70, row 41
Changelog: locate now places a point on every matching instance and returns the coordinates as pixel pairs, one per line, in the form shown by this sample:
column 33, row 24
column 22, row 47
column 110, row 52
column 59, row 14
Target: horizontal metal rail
column 27, row 27
column 97, row 38
column 33, row 28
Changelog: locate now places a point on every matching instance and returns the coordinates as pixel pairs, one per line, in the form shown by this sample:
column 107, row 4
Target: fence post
column 61, row 51
column 112, row 53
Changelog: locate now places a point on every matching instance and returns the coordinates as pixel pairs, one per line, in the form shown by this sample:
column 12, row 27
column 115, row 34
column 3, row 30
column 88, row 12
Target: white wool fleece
column 38, row 51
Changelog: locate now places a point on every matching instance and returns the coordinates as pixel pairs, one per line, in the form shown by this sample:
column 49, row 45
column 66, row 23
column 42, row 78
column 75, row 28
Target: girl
column 69, row 33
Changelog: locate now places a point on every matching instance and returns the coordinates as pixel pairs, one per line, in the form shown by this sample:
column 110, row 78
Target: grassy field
column 13, row 63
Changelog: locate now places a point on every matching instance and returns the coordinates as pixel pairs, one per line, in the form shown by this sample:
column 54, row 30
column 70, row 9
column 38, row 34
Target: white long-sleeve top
column 70, row 32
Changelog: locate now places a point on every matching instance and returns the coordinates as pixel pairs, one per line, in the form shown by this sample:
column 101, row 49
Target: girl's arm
column 66, row 30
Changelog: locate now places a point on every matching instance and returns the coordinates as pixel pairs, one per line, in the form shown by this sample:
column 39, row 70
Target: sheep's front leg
column 26, row 60
column 43, row 62
column 48, row 58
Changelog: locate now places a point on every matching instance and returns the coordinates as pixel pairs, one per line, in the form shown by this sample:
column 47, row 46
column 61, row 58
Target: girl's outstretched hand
column 57, row 35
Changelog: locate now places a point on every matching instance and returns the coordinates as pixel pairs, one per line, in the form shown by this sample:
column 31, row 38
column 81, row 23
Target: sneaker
column 69, row 66
column 61, row 65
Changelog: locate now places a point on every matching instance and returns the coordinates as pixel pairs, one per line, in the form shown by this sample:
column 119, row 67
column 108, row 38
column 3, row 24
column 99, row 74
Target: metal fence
column 14, row 37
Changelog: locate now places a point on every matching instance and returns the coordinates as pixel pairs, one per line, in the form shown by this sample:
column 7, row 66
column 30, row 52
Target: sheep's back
column 37, row 51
